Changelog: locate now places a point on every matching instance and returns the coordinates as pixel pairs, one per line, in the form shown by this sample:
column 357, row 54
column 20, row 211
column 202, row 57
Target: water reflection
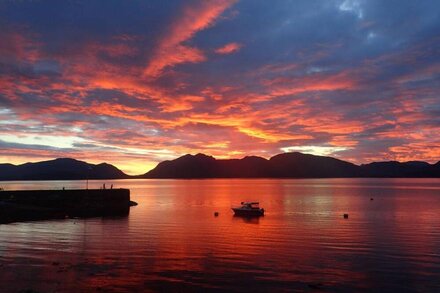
column 172, row 241
column 249, row 220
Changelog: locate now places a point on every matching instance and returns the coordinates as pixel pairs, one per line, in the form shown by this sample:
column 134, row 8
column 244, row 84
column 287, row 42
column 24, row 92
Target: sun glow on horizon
column 315, row 150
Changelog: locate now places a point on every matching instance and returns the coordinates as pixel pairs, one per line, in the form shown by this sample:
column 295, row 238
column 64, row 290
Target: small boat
column 249, row 209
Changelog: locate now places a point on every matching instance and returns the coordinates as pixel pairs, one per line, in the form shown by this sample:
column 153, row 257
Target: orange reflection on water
column 172, row 240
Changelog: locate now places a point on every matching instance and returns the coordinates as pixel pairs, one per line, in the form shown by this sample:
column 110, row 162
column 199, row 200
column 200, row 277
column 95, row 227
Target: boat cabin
column 250, row 204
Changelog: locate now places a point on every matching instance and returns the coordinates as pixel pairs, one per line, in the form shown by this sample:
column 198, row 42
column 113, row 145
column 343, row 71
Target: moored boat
column 249, row 209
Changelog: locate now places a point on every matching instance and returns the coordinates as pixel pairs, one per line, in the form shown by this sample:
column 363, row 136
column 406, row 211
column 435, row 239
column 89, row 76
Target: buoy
column 345, row 216
column 216, row 214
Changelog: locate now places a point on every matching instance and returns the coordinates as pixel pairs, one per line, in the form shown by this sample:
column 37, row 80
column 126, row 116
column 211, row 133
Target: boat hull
column 248, row 213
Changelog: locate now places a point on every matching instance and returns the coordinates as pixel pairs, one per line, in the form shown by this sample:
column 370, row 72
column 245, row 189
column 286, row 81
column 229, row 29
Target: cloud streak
column 171, row 50
column 228, row 48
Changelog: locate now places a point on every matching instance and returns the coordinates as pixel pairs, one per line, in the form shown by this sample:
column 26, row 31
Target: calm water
column 172, row 241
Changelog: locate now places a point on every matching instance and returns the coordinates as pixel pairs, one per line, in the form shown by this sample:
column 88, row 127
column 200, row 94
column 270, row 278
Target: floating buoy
column 345, row 216
column 216, row 214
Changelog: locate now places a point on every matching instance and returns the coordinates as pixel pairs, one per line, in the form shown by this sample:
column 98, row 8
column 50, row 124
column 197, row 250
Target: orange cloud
column 428, row 151
column 114, row 50
column 243, row 124
column 291, row 86
column 343, row 141
column 229, row 48
column 181, row 103
column 20, row 46
column 170, row 50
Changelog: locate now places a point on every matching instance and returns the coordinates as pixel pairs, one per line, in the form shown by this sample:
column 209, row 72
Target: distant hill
column 397, row 169
column 300, row 165
column 203, row 166
column 286, row 165
column 60, row 169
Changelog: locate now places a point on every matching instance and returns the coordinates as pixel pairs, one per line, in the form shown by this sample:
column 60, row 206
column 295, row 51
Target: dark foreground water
column 171, row 241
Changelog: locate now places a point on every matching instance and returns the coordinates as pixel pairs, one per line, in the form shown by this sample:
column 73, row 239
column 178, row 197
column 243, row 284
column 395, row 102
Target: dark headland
column 286, row 165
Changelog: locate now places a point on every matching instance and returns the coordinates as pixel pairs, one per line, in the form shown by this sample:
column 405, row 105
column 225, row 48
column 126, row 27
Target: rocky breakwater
column 31, row 205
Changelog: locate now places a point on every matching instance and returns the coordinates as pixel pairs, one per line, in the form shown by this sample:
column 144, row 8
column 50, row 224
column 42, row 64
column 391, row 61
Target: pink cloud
column 229, row 48
column 170, row 49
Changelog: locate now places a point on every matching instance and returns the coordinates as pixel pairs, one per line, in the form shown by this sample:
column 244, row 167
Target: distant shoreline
column 219, row 178
column 282, row 166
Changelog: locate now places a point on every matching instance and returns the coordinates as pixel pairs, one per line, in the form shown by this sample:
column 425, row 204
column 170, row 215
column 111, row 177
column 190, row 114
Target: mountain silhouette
column 60, row 169
column 203, row 166
column 398, row 169
column 286, row 165
column 187, row 166
column 300, row 165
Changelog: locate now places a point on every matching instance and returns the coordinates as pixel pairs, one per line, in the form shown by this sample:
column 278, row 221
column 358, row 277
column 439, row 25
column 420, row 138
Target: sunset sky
column 133, row 83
